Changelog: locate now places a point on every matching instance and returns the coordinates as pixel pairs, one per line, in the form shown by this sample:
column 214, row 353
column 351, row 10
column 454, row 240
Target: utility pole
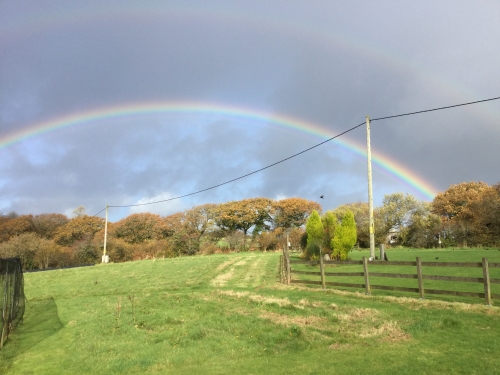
column 370, row 196
column 105, row 258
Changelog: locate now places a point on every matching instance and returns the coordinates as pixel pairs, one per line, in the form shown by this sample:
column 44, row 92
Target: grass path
column 226, row 314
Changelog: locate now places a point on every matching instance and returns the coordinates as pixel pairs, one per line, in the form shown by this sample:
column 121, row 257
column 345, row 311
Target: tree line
column 466, row 214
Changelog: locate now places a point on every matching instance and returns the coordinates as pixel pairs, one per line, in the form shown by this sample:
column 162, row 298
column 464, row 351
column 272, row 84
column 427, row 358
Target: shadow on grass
column 40, row 322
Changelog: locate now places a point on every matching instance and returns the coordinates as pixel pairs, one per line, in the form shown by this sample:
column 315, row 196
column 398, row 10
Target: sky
column 128, row 102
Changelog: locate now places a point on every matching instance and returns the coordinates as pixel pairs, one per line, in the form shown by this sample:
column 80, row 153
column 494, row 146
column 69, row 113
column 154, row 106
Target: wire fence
column 11, row 296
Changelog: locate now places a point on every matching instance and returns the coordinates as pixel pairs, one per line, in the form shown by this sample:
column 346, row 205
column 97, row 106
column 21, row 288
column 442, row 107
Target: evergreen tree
column 345, row 237
column 314, row 230
column 329, row 221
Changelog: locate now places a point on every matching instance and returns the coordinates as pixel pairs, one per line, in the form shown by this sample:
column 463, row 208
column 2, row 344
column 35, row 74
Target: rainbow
column 153, row 108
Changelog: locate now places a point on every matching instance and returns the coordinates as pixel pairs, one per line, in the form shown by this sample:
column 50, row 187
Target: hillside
column 227, row 314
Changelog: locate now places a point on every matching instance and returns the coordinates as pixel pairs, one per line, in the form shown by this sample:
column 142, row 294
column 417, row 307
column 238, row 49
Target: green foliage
column 329, row 221
column 396, row 212
column 345, row 237
column 303, row 241
column 312, row 251
column 86, row 252
column 314, row 230
column 422, row 228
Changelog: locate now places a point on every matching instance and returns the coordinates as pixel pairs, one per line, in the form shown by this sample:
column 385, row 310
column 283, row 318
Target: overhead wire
column 245, row 175
column 301, row 152
column 434, row 109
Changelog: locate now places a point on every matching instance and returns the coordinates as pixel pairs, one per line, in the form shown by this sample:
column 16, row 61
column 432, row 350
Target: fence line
column 286, row 263
column 11, row 296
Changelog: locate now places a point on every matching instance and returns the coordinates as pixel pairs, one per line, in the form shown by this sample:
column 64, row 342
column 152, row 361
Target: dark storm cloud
column 323, row 63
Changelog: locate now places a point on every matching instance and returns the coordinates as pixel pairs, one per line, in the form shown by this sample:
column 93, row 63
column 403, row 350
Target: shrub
column 314, row 230
column 345, row 237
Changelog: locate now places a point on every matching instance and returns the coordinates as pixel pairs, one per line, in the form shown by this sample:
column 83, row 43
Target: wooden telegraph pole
column 370, row 196
column 105, row 258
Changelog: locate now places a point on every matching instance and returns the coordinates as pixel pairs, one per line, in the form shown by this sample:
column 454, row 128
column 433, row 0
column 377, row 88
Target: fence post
column 420, row 279
column 288, row 270
column 486, row 277
column 281, row 268
column 382, row 251
column 367, row 279
column 5, row 318
column 13, row 296
column 322, row 270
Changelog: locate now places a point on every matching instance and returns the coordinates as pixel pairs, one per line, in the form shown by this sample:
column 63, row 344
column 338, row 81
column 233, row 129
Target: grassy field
column 227, row 314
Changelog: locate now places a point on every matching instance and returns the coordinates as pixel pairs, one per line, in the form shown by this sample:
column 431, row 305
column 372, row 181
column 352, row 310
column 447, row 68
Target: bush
column 86, row 252
column 345, row 237
column 119, row 250
column 312, row 251
column 314, row 230
column 209, row 249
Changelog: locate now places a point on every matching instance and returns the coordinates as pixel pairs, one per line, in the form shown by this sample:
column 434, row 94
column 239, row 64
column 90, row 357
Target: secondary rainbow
column 140, row 109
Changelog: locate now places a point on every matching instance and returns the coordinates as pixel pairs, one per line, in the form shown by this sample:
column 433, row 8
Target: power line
column 245, row 175
column 435, row 109
column 301, row 152
column 100, row 211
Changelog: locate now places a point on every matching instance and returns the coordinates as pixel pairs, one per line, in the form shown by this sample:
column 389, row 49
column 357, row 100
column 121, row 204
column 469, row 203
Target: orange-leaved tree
column 292, row 212
column 77, row 229
column 456, row 208
column 139, row 228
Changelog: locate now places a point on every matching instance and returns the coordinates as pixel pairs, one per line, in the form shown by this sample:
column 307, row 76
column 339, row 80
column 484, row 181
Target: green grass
column 227, row 314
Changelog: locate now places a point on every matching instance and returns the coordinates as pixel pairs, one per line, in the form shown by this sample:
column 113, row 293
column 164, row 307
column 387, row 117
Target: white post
column 370, row 196
column 105, row 258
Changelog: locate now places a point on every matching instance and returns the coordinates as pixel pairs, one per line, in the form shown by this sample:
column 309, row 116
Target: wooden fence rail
column 287, row 271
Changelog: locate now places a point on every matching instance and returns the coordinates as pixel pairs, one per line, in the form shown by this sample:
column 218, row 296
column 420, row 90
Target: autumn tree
column 46, row 253
column 46, row 224
column 11, row 226
column 139, row 228
column 242, row 216
column 200, row 220
column 33, row 250
column 345, row 237
column 314, row 230
column 292, row 212
column 78, row 228
column 295, row 237
column 183, row 235
column 485, row 217
column 456, row 200
column 267, row 241
column 458, row 207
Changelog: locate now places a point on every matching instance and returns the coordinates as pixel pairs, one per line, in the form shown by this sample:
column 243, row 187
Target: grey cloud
column 325, row 63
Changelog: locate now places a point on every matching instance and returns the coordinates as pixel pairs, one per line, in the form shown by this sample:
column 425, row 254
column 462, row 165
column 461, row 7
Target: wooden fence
column 286, row 272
